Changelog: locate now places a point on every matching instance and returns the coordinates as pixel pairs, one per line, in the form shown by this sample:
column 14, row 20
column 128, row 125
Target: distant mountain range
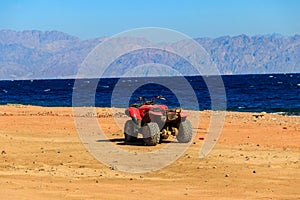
column 53, row 54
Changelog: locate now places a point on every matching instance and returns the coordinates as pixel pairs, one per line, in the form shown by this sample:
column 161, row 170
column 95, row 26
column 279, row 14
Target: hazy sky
column 196, row 18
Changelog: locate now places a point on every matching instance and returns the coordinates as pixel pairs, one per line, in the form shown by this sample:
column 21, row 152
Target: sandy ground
column 42, row 157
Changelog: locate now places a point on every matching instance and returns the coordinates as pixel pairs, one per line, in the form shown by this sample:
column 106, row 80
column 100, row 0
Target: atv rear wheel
column 151, row 134
column 185, row 133
column 130, row 131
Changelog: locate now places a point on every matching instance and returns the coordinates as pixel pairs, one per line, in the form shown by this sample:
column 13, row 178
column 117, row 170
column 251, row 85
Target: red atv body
column 156, row 122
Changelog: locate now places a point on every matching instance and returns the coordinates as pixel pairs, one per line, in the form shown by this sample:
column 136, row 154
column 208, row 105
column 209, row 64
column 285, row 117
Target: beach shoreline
column 42, row 156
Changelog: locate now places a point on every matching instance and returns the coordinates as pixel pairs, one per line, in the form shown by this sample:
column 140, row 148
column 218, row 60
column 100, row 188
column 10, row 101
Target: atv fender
column 156, row 113
column 134, row 113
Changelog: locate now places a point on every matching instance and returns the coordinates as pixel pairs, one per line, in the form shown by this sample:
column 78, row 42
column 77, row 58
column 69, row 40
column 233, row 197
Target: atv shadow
column 120, row 141
column 138, row 142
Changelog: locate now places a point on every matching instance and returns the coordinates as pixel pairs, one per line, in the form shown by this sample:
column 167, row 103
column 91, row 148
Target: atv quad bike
column 156, row 122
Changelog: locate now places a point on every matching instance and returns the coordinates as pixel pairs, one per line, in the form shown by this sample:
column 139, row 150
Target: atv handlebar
column 145, row 101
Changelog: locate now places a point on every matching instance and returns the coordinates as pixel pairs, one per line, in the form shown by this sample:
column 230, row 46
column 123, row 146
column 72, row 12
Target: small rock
column 226, row 175
column 254, row 171
column 3, row 152
column 215, row 167
column 269, row 165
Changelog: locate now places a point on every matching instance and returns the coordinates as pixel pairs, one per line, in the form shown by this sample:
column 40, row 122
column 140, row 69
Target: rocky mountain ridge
column 52, row 54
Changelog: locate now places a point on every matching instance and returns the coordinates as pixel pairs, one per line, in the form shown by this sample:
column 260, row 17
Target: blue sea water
column 271, row 93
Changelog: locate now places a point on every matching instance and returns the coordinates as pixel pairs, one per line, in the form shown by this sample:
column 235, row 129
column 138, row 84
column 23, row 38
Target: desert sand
column 42, row 157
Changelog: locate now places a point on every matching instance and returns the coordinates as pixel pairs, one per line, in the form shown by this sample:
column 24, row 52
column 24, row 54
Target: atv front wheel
column 130, row 132
column 151, row 134
column 185, row 133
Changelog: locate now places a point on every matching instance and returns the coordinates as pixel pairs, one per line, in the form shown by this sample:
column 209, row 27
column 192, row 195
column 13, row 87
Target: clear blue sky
column 196, row 18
